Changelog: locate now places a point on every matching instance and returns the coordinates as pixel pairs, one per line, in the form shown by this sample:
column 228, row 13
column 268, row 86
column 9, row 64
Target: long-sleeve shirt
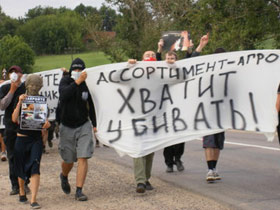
column 76, row 104
column 4, row 102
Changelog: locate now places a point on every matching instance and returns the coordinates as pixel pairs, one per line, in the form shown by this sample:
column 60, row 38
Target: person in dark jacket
column 8, row 95
column 76, row 139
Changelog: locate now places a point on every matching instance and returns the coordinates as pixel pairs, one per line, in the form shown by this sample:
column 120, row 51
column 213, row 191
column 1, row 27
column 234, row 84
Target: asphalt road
column 249, row 166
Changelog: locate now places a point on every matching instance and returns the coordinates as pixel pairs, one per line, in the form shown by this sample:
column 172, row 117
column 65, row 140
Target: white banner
column 146, row 107
column 51, row 81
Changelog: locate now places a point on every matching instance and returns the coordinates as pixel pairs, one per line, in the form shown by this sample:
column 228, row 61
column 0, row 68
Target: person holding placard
column 173, row 153
column 203, row 42
column 29, row 144
column 143, row 165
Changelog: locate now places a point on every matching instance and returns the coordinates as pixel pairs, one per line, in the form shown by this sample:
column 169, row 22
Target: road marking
column 249, row 145
column 252, row 145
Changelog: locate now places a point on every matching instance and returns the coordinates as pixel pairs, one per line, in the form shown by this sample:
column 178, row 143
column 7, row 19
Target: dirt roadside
column 108, row 186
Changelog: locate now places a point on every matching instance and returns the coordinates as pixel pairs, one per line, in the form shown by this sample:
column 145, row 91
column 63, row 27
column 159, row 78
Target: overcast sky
column 18, row 8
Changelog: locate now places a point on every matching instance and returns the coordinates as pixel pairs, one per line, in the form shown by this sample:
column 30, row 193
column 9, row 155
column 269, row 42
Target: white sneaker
column 216, row 175
column 3, row 156
column 210, row 176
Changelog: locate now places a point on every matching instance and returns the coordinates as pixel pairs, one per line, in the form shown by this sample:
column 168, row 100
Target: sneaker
column 4, row 156
column 216, row 175
column 15, row 191
column 22, row 198
column 179, row 165
column 141, row 188
column 35, row 205
column 210, row 176
column 169, row 169
column 149, row 186
column 79, row 196
column 65, row 184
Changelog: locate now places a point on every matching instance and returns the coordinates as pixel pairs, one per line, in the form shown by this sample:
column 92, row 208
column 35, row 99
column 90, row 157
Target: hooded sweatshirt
column 76, row 105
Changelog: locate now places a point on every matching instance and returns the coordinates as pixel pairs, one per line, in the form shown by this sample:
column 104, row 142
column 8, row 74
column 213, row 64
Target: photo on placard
column 27, row 107
column 33, row 113
column 27, row 115
column 176, row 40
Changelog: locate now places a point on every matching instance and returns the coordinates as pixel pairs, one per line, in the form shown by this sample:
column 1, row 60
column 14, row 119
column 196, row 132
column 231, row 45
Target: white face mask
column 75, row 74
column 13, row 77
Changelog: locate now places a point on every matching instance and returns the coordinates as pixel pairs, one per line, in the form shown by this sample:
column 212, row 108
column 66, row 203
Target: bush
column 14, row 51
column 53, row 34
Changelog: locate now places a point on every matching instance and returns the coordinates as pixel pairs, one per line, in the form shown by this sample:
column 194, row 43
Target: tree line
column 136, row 26
column 48, row 30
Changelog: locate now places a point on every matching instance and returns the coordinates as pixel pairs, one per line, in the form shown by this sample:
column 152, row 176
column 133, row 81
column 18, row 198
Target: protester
column 28, row 145
column 173, row 153
column 203, row 42
column 143, row 165
column 8, row 95
column 212, row 145
column 76, row 139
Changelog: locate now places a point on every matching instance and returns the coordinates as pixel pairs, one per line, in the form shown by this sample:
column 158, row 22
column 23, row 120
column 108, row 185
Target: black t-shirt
column 9, row 125
column 278, row 89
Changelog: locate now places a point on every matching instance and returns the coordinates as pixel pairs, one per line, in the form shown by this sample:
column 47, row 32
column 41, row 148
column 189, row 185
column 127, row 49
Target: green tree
column 233, row 24
column 8, row 25
column 14, row 51
column 85, row 11
column 52, row 34
column 236, row 24
column 39, row 11
column 136, row 29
